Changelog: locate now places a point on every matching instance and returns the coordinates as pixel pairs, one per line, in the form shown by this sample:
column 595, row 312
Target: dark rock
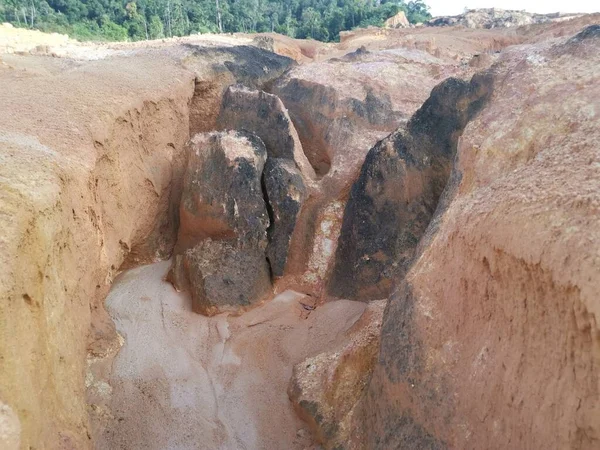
column 264, row 115
column 217, row 68
column 222, row 196
column 396, row 194
column 222, row 200
column 286, row 193
column 249, row 65
column 225, row 276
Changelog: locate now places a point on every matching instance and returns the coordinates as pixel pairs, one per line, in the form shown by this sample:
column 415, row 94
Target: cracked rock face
column 223, row 223
column 264, row 115
column 341, row 107
column 397, row 192
column 286, row 193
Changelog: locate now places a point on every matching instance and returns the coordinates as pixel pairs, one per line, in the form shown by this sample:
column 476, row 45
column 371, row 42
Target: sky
column 453, row 7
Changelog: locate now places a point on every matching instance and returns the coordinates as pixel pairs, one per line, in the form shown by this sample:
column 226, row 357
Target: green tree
column 155, row 28
column 153, row 19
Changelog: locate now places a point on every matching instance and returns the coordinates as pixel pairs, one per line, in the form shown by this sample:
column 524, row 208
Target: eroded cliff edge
column 491, row 340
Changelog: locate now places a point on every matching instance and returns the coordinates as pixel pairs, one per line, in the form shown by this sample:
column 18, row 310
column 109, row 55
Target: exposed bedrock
column 224, row 275
column 217, row 68
column 326, row 388
column 223, row 223
column 492, row 341
column 341, row 108
column 285, row 190
column 396, row 194
column 264, row 115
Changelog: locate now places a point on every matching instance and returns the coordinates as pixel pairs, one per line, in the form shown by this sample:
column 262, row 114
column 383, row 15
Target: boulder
column 286, row 193
column 397, row 192
column 224, row 276
column 397, row 21
column 342, row 106
column 492, row 340
column 222, row 196
column 325, row 388
column 264, row 115
column 222, row 200
column 246, row 64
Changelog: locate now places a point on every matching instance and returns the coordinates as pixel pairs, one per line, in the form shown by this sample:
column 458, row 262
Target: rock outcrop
column 217, row 68
column 326, row 388
column 492, row 339
column 341, row 107
column 397, row 21
column 224, row 275
column 396, row 194
column 286, row 192
column 496, row 18
column 264, row 115
column 223, row 223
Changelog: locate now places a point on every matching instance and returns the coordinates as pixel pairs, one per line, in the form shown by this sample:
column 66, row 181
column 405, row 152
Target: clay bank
column 241, row 242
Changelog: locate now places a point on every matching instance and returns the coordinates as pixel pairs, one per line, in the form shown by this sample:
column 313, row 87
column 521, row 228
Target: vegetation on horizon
column 120, row 20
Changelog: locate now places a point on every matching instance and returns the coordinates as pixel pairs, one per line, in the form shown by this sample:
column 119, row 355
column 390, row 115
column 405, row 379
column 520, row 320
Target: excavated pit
column 179, row 375
column 500, row 301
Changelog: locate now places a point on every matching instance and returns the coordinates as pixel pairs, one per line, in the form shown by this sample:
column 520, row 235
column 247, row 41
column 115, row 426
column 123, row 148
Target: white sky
column 453, row 7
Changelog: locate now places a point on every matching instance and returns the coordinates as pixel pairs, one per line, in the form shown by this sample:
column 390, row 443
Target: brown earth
column 505, row 288
column 91, row 161
column 492, row 340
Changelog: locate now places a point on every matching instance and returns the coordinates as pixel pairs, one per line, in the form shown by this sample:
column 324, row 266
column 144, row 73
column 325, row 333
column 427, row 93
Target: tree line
column 119, row 20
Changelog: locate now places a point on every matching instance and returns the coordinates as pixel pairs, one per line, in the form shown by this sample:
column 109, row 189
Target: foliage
column 152, row 19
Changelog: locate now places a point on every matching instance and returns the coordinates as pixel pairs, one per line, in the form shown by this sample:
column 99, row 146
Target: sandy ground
column 185, row 381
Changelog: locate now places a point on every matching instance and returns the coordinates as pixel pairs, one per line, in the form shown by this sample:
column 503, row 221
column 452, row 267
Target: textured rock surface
column 264, row 115
column 218, row 68
column 396, row 194
column 223, row 223
column 222, row 195
column 325, row 388
column 224, row 276
column 496, row 18
column 397, row 21
column 91, row 157
column 286, row 193
column 341, row 108
column 492, row 340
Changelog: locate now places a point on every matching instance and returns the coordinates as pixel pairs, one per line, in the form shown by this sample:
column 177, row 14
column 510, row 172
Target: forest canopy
column 120, row 20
